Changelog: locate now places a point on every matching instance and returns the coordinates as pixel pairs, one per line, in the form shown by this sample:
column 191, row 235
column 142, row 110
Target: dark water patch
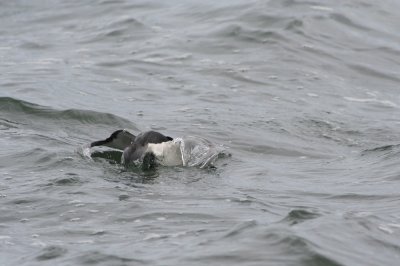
column 293, row 3
column 51, row 252
column 300, row 247
column 7, row 218
column 78, row 231
column 113, row 157
column 99, row 233
column 280, row 25
column 67, row 181
column 382, row 148
column 99, row 258
column 118, row 31
column 231, row 259
column 329, row 130
column 8, row 104
column 45, row 158
column 257, row 245
column 263, row 19
column 131, row 176
column 34, row 46
column 382, row 162
column 6, row 124
column 364, row 197
column 240, row 228
column 23, row 201
column 111, row 2
column 319, row 260
column 299, row 216
column 123, row 197
column 386, row 151
column 37, row 159
column 247, row 35
column 116, row 63
column 127, row 22
column 14, row 107
column 341, row 18
column 90, row 117
column 237, row 75
column 295, row 25
column 114, row 33
column 218, row 99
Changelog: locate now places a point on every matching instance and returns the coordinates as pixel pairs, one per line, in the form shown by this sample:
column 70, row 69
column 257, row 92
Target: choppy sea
column 304, row 96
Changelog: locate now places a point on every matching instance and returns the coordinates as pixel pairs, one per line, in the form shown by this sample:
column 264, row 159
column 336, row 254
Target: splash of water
column 197, row 151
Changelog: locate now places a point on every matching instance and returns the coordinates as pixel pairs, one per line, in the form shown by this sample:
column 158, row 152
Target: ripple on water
column 51, row 252
column 67, row 181
column 260, row 244
column 100, row 258
column 298, row 216
column 27, row 113
column 306, row 95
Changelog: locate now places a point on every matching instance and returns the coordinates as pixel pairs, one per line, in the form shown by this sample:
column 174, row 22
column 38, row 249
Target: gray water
column 304, row 95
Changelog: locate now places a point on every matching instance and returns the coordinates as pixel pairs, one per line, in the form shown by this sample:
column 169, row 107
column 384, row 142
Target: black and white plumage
column 149, row 147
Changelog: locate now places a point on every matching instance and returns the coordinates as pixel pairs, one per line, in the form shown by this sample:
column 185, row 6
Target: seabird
column 147, row 148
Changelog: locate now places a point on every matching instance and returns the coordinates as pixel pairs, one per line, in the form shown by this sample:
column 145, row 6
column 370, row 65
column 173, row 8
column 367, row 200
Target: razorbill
column 147, row 148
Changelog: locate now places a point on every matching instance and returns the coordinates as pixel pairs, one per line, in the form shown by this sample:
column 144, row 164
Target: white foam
column 197, row 151
column 322, row 8
column 186, row 151
column 85, row 151
column 371, row 100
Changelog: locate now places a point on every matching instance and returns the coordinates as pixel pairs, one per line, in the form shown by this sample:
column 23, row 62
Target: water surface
column 304, row 95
